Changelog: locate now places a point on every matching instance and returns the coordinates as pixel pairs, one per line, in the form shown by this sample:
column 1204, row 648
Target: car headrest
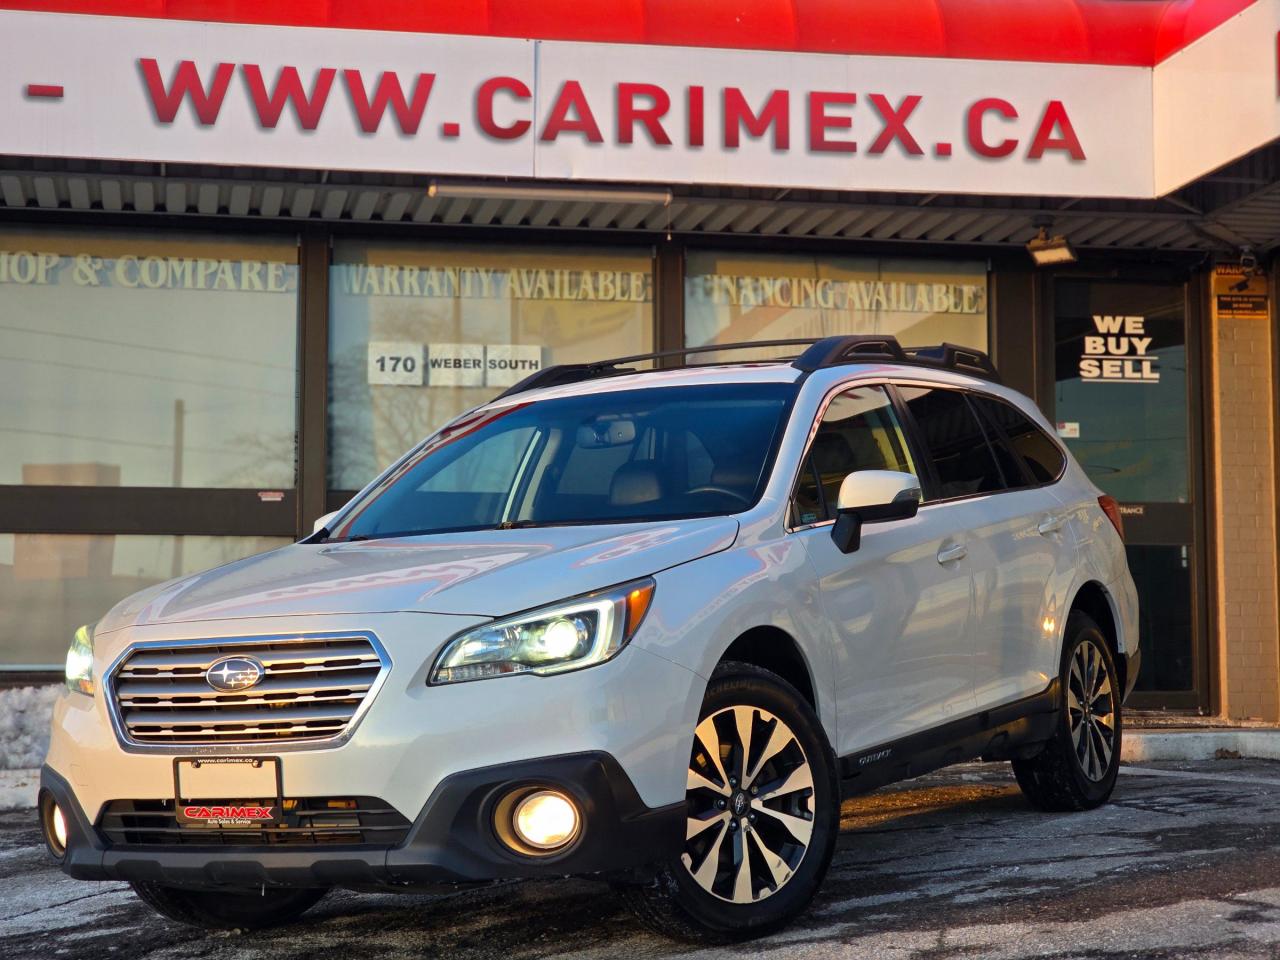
column 635, row 483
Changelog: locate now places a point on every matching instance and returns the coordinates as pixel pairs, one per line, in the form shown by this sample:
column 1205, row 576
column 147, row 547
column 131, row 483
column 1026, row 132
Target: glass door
column 1123, row 401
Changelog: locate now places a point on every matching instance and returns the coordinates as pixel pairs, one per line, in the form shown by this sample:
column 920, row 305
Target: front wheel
column 763, row 815
column 1077, row 768
column 232, row 909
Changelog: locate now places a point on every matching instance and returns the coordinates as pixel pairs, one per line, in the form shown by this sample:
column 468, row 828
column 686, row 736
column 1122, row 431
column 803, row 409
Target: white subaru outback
column 649, row 626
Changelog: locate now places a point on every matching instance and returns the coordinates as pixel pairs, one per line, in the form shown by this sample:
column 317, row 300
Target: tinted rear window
column 955, row 442
column 1044, row 459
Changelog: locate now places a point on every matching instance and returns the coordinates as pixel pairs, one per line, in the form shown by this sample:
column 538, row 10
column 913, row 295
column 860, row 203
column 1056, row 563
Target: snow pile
column 24, row 725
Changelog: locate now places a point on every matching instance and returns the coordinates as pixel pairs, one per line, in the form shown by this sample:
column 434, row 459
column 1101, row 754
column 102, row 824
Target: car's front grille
column 310, row 821
column 310, row 689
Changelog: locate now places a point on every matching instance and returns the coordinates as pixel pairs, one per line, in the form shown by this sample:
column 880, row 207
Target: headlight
column 566, row 636
column 80, row 661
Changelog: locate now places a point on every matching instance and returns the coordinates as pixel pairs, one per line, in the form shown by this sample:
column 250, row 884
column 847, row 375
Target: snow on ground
column 18, row 789
column 24, row 725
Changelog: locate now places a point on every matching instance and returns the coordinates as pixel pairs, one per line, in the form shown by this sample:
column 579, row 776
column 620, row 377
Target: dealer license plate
column 227, row 792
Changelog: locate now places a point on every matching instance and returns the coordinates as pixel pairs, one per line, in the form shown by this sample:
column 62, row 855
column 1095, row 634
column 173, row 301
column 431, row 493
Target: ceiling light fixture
column 1047, row 251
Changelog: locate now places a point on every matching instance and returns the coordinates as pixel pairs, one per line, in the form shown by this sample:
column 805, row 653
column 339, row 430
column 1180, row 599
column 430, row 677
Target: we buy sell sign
column 176, row 91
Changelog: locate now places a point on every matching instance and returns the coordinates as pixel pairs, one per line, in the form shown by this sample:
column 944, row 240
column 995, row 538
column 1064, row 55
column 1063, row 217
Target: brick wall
column 1245, row 522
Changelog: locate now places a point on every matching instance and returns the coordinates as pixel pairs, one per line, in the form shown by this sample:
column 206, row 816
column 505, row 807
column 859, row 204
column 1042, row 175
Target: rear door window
column 1043, row 457
column 963, row 462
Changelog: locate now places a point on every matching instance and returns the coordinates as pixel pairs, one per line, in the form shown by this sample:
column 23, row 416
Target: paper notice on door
column 1069, row 429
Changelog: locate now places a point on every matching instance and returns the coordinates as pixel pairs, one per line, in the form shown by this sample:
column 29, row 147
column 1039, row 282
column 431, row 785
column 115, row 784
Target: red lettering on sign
column 227, row 813
column 651, row 116
column 695, row 116
column 409, row 114
column 186, row 82
column 1055, row 118
column 776, row 113
column 820, row 122
column 288, row 89
column 977, row 141
column 484, row 107
column 895, row 124
column 571, row 99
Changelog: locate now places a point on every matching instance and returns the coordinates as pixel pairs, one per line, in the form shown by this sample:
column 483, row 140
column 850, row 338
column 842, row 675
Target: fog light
column 54, row 822
column 59, row 826
column 546, row 820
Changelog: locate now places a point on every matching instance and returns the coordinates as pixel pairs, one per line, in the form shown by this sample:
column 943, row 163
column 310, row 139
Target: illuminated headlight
column 566, row 636
column 80, row 662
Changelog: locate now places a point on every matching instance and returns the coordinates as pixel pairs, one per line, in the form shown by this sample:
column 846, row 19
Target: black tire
column 1058, row 779
column 674, row 903
column 233, row 909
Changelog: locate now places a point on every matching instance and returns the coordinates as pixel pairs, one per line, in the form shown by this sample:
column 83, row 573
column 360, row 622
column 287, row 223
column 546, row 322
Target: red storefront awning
column 1121, row 32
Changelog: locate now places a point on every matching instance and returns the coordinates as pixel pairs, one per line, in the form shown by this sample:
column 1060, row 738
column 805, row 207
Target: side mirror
column 322, row 522
column 872, row 496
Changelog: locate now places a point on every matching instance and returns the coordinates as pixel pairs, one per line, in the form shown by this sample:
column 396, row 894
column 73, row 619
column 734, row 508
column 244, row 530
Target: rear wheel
column 1078, row 767
column 232, row 909
column 763, row 815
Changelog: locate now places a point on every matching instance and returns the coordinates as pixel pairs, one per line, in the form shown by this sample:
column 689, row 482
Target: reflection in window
column 60, row 581
column 421, row 333
column 155, row 360
column 738, row 297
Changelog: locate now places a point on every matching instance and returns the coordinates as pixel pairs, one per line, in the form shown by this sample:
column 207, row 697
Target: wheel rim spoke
column 779, row 740
column 744, row 719
column 742, row 869
column 798, row 779
column 778, row 869
column 709, row 740
column 710, row 866
column 798, row 827
column 696, row 826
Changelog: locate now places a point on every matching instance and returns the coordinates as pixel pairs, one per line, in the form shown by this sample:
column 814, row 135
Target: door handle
column 956, row 552
column 1051, row 525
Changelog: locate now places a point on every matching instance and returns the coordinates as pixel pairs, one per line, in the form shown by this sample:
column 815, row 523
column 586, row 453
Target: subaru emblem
column 231, row 674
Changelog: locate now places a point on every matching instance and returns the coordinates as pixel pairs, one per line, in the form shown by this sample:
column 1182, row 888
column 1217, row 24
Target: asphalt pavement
column 1185, row 862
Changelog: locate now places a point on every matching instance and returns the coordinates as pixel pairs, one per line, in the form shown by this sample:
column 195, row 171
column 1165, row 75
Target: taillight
column 1112, row 509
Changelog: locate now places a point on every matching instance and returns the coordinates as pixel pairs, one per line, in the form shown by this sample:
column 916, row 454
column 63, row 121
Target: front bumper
column 451, row 841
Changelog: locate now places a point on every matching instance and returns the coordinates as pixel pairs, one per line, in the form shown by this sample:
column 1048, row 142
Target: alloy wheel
column 750, row 805
column 1091, row 710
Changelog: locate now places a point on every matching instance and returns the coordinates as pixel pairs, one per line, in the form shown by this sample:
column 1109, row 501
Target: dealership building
column 251, row 252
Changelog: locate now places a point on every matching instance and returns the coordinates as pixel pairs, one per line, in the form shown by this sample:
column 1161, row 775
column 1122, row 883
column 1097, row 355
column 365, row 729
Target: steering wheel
column 711, row 488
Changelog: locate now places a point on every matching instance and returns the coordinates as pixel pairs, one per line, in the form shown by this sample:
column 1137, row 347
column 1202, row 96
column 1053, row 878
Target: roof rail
column 952, row 356
column 818, row 353
column 576, row 372
column 833, row 351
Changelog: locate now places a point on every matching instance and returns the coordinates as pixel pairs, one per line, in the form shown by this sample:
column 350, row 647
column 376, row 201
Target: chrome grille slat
column 187, row 687
column 313, row 688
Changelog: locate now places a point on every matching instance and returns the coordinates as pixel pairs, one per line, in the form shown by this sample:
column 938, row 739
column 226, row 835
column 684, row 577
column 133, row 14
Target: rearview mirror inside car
column 606, row 433
column 872, row 496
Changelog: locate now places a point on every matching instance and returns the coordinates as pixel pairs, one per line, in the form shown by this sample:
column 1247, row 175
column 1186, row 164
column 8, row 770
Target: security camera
column 1248, row 259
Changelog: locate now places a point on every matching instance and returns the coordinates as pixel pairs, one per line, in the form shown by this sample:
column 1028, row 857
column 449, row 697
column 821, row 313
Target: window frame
column 790, row 525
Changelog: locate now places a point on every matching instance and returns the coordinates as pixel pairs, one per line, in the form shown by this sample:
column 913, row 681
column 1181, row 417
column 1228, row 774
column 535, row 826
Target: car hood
column 482, row 573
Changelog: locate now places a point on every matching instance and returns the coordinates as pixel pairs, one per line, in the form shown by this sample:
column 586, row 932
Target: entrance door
column 1123, row 399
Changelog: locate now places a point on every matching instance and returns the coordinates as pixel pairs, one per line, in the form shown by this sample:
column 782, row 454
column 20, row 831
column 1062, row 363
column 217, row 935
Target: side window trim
column 919, row 450
column 993, row 430
column 990, row 437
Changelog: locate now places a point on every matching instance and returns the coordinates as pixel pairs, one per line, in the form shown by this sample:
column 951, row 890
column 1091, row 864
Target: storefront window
column 147, row 360
column 60, row 581
column 738, row 297
column 422, row 333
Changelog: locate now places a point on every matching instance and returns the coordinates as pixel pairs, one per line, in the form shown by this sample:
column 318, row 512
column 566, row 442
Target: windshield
column 616, row 457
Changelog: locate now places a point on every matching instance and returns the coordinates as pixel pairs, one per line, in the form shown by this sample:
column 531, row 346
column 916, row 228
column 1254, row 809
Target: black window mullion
column 173, row 511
